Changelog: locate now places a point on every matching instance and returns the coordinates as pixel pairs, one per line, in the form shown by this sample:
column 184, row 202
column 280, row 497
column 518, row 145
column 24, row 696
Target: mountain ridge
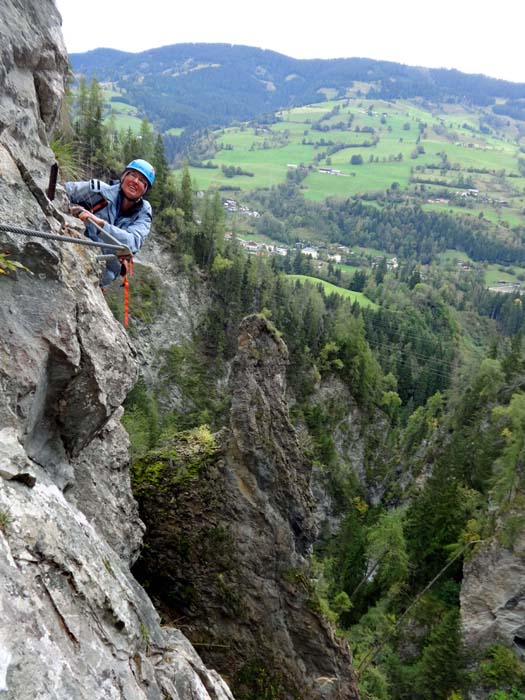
column 247, row 82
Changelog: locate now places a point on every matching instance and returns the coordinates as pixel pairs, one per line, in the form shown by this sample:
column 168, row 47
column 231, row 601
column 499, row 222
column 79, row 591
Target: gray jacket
column 130, row 228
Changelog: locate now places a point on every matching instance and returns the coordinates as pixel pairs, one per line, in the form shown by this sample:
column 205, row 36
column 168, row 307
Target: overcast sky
column 462, row 34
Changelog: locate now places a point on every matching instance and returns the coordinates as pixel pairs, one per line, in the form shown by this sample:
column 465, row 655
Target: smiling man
column 118, row 209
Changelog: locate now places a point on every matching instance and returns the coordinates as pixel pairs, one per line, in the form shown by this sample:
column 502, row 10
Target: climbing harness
column 125, row 257
column 122, row 252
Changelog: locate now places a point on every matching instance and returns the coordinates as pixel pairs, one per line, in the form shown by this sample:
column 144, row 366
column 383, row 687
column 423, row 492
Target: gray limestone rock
column 75, row 623
column 229, row 531
column 493, row 602
column 180, row 308
column 493, row 595
column 14, row 463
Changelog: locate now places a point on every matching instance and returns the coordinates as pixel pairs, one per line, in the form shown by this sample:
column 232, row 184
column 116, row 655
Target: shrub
column 502, row 669
column 5, row 521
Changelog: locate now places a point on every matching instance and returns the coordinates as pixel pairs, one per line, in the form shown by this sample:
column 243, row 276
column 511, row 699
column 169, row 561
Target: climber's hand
column 86, row 216
column 76, row 210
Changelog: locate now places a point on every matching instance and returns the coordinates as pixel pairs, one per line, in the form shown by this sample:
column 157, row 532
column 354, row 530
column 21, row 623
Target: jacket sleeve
column 77, row 191
column 134, row 234
column 88, row 193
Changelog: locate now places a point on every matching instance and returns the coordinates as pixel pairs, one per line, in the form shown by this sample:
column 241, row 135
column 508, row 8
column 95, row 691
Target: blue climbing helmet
column 143, row 167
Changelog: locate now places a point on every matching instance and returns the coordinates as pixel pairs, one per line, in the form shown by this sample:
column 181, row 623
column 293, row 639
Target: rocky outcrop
column 493, row 596
column 230, row 523
column 75, row 624
column 177, row 311
column 356, row 436
column 493, row 602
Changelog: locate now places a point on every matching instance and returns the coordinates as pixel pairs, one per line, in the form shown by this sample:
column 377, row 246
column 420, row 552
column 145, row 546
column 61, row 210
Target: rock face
column 180, row 308
column 355, row 437
column 230, row 522
column 75, row 624
column 493, row 600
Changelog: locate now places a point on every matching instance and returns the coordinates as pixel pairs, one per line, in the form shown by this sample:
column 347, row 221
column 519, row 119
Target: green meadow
column 454, row 256
column 368, row 145
column 370, row 252
column 123, row 116
column 497, row 273
column 329, row 288
column 373, row 177
column 123, row 122
column 348, row 269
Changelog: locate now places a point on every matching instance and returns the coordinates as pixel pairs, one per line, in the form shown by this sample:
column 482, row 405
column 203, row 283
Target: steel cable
column 9, row 228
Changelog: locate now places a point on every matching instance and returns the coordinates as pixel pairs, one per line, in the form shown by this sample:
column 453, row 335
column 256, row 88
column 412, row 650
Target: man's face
column 134, row 184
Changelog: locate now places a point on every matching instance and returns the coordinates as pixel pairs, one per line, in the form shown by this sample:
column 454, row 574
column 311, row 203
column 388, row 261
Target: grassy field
column 436, row 152
column 496, row 273
column 370, row 252
column 358, row 297
column 348, row 269
column 123, row 122
column 124, row 116
column 454, row 256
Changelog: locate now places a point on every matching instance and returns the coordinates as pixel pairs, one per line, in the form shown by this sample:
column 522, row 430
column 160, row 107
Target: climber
column 119, row 209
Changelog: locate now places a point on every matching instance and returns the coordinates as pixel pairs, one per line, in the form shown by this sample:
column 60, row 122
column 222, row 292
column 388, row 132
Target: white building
column 312, row 252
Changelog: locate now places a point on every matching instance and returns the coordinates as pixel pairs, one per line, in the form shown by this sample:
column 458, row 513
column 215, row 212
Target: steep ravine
column 230, row 524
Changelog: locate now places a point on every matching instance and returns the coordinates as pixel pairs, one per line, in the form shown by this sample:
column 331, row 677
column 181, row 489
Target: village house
column 392, row 264
column 312, row 252
column 329, row 171
column 232, row 206
column 254, row 248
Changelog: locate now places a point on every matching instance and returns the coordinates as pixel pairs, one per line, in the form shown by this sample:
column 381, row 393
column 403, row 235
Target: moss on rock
column 180, row 459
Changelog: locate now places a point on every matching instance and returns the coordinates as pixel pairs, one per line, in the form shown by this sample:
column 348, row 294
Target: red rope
column 127, row 263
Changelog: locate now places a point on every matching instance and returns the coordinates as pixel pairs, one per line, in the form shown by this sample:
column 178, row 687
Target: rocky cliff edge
column 75, row 624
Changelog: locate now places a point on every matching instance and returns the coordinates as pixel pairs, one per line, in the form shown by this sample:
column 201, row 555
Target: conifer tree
column 509, row 469
column 147, row 141
column 210, row 234
column 387, row 548
column 81, row 109
column 163, row 194
column 93, row 134
column 131, row 148
column 112, row 148
column 434, row 521
column 439, row 670
column 186, row 201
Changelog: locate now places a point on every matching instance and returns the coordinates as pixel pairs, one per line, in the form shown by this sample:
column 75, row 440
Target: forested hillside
column 195, row 85
column 410, row 409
